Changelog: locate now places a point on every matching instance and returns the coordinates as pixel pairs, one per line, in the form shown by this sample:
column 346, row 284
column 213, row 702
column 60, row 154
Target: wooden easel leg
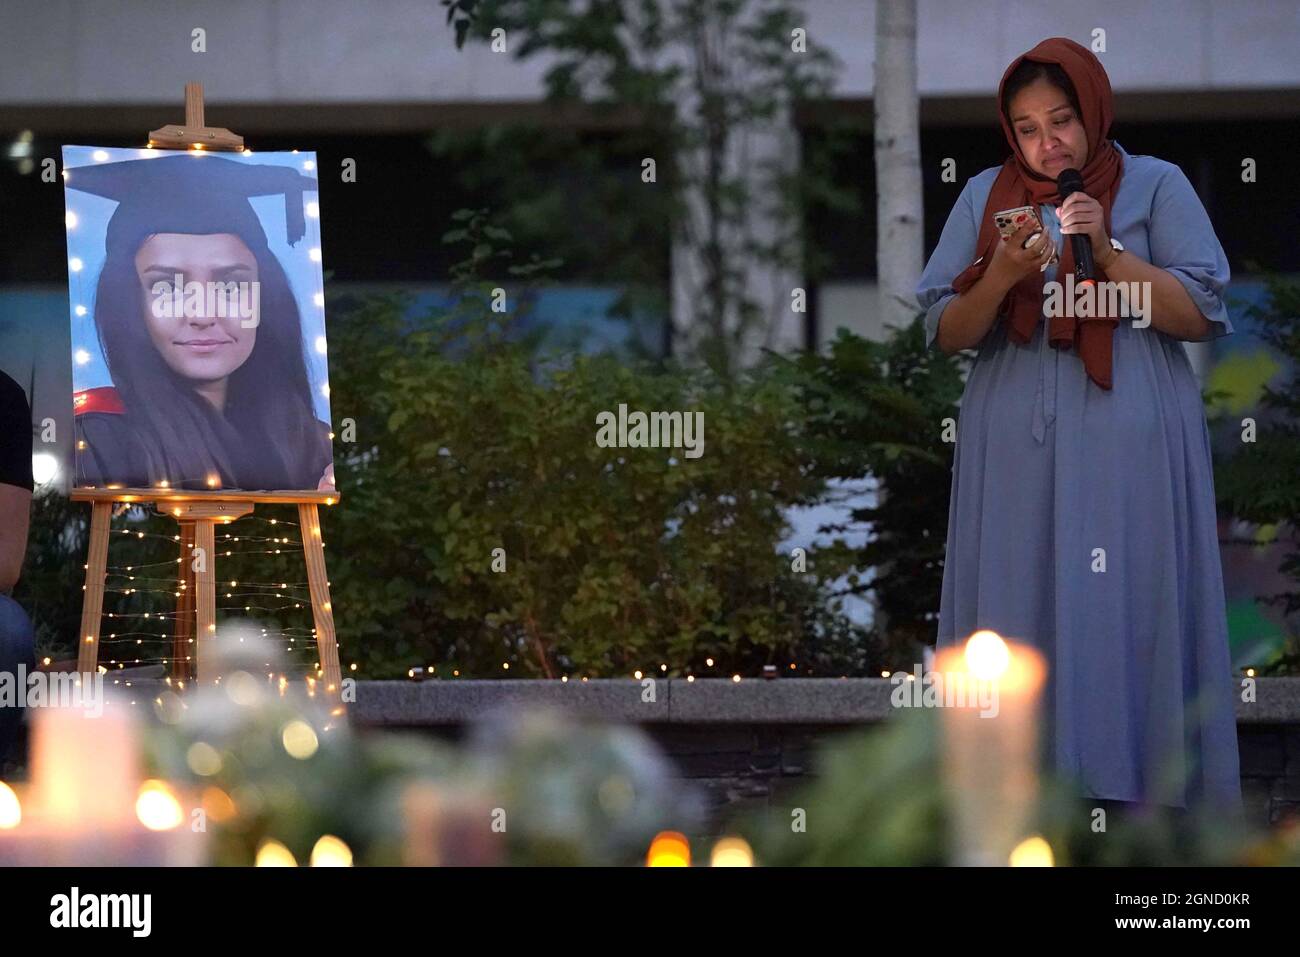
column 322, row 611
column 183, row 628
column 205, row 600
column 92, row 603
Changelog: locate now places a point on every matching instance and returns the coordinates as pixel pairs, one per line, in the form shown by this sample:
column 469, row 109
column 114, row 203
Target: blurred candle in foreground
column 447, row 826
column 272, row 853
column 156, row 807
column 85, row 805
column 990, row 702
column 331, row 851
column 1032, row 852
column 11, row 810
column 669, row 849
column 85, row 771
column 732, row 852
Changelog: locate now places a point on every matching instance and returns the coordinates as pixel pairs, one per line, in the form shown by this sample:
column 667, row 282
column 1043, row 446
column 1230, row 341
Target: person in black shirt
column 16, row 640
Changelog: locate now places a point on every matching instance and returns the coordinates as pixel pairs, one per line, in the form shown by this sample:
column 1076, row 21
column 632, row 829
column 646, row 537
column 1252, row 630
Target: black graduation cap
column 192, row 193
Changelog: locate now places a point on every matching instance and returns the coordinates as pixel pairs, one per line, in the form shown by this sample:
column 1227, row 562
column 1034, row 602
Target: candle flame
column 732, row 852
column 157, row 808
column 330, row 851
column 1032, row 852
column 987, row 655
column 11, row 809
column 669, row 849
column 274, row 854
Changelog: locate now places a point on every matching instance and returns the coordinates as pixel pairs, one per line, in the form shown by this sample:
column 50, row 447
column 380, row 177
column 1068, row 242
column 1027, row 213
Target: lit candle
column 990, row 700
column 86, row 804
column 84, row 770
column 447, row 826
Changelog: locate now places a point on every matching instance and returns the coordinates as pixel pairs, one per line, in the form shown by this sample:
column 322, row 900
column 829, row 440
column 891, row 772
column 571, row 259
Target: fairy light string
column 141, row 592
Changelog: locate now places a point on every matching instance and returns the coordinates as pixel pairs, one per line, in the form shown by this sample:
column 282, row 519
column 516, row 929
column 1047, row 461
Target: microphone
column 1070, row 181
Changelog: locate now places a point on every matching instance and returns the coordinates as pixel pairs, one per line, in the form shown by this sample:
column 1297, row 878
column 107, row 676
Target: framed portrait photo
column 198, row 322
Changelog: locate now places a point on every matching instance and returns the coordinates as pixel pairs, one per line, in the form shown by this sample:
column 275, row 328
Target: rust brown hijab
column 1018, row 185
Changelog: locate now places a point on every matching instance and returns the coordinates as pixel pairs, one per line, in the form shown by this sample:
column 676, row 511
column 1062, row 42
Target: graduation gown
column 110, row 450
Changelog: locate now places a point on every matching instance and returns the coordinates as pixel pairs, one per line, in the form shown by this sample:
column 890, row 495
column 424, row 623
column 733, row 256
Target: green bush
column 614, row 559
column 1260, row 481
column 879, row 409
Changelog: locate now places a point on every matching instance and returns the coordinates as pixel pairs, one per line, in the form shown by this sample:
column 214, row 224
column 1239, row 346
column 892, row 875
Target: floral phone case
column 1009, row 220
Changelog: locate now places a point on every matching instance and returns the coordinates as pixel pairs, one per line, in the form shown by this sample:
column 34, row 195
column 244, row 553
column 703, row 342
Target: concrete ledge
column 1277, row 702
column 779, row 701
column 456, row 701
column 703, row 701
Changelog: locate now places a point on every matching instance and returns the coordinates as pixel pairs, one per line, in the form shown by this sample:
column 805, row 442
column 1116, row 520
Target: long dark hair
column 1029, row 72
column 268, row 398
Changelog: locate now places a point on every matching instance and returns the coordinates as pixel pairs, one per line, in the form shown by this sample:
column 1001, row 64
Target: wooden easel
column 198, row 513
column 194, row 135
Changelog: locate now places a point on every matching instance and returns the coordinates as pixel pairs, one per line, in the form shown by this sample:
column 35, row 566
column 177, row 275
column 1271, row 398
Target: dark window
column 1255, row 222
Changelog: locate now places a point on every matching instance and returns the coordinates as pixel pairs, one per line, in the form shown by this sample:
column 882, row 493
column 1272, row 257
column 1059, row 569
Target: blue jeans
column 17, row 646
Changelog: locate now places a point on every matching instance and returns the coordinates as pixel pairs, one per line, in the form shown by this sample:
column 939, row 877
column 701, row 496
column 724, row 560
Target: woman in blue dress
column 1082, row 517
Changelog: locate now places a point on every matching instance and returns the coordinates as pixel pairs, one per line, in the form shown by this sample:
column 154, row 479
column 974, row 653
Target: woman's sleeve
column 1183, row 242
column 954, row 253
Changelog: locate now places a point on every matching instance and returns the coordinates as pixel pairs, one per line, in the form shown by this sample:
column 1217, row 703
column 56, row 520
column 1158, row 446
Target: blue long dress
column 1049, row 467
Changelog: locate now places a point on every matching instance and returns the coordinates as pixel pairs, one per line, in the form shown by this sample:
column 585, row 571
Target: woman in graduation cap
column 199, row 400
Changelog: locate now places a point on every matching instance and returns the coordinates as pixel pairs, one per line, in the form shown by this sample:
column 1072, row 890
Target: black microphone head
column 1070, row 181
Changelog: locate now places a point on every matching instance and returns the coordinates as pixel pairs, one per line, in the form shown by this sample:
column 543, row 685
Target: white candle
column 85, row 769
column 81, row 806
column 990, row 744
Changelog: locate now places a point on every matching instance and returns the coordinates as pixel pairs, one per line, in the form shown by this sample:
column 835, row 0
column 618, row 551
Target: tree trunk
column 898, row 163
column 899, row 240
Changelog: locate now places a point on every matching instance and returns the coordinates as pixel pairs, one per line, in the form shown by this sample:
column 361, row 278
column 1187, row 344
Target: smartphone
column 1009, row 220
